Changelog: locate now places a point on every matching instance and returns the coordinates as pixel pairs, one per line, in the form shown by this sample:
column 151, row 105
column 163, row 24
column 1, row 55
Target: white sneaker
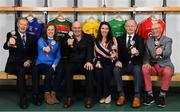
column 108, row 99
column 102, row 100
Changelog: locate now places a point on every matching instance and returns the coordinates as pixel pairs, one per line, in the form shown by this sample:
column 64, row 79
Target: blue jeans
column 47, row 70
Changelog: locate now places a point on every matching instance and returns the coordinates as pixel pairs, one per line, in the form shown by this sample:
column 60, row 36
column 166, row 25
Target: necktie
column 129, row 41
column 23, row 40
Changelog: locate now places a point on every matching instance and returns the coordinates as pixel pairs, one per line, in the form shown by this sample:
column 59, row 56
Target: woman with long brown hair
column 105, row 56
column 47, row 60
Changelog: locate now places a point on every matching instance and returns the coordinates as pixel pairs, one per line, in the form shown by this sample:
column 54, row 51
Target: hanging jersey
column 90, row 26
column 35, row 27
column 144, row 28
column 117, row 27
column 63, row 26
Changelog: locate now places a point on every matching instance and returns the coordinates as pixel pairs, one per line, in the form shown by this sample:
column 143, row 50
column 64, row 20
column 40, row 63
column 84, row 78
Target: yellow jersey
column 90, row 26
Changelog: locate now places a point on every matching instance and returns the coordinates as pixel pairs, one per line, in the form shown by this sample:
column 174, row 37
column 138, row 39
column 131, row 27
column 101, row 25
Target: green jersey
column 117, row 27
column 63, row 26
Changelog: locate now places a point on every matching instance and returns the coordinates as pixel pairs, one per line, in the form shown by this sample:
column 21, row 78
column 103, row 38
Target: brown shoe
column 89, row 103
column 68, row 102
column 48, row 99
column 120, row 101
column 53, row 95
column 136, row 102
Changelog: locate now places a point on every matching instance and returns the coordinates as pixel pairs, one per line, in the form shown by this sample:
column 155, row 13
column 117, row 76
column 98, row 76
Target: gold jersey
column 90, row 26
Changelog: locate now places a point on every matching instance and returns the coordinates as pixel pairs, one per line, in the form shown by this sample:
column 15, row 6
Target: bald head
column 130, row 26
column 76, row 23
column 131, row 21
column 77, row 28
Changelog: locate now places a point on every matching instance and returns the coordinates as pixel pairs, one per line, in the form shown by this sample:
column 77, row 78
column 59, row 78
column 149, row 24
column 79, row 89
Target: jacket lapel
column 124, row 40
column 18, row 39
column 152, row 46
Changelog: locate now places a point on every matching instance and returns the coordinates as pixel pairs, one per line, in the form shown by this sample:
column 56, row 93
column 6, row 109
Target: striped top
column 102, row 51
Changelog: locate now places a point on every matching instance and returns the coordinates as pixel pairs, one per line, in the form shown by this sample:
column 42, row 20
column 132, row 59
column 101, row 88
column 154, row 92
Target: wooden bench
column 176, row 77
column 5, row 76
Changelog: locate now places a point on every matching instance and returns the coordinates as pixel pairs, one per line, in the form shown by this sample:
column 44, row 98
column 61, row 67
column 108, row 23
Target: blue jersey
column 35, row 28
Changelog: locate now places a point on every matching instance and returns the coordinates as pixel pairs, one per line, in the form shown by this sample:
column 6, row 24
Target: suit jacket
column 150, row 56
column 82, row 51
column 124, row 54
column 20, row 54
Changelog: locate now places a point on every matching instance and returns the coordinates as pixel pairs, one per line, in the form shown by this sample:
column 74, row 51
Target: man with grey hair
column 22, row 47
column 130, row 55
column 157, row 62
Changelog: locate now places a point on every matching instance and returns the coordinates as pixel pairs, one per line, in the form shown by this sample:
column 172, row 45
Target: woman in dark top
column 105, row 56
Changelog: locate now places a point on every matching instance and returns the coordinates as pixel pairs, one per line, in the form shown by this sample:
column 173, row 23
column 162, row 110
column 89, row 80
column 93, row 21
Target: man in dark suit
column 21, row 48
column 130, row 55
column 80, row 50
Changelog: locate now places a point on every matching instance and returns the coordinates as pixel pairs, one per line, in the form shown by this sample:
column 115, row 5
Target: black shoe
column 23, row 102
column 149, row 100
column 37, row 100
column 68, row 102
column 160, row 101
column 89, row 103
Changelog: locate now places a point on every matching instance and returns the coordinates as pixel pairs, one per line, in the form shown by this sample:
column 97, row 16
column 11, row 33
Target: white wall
column 172, row 29
column 6, row 2
column 6, row 24
column 149, row 3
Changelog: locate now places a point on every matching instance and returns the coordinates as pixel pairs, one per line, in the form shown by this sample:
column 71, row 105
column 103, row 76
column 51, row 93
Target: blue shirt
column 53, row 56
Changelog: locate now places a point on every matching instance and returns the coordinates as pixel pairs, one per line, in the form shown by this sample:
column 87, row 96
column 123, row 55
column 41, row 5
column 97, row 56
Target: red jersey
column 144, row 28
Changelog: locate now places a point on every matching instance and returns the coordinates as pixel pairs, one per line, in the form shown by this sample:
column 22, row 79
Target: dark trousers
column 135, row 70
column 21, row 80
column 58, row 79
column 103, row 79
column 48, row 71
column 71, row 69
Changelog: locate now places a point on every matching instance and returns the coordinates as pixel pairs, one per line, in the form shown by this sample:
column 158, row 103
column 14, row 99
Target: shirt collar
column 21, row 34
column 50, row 38
column 155, row 39
column 127, row 35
